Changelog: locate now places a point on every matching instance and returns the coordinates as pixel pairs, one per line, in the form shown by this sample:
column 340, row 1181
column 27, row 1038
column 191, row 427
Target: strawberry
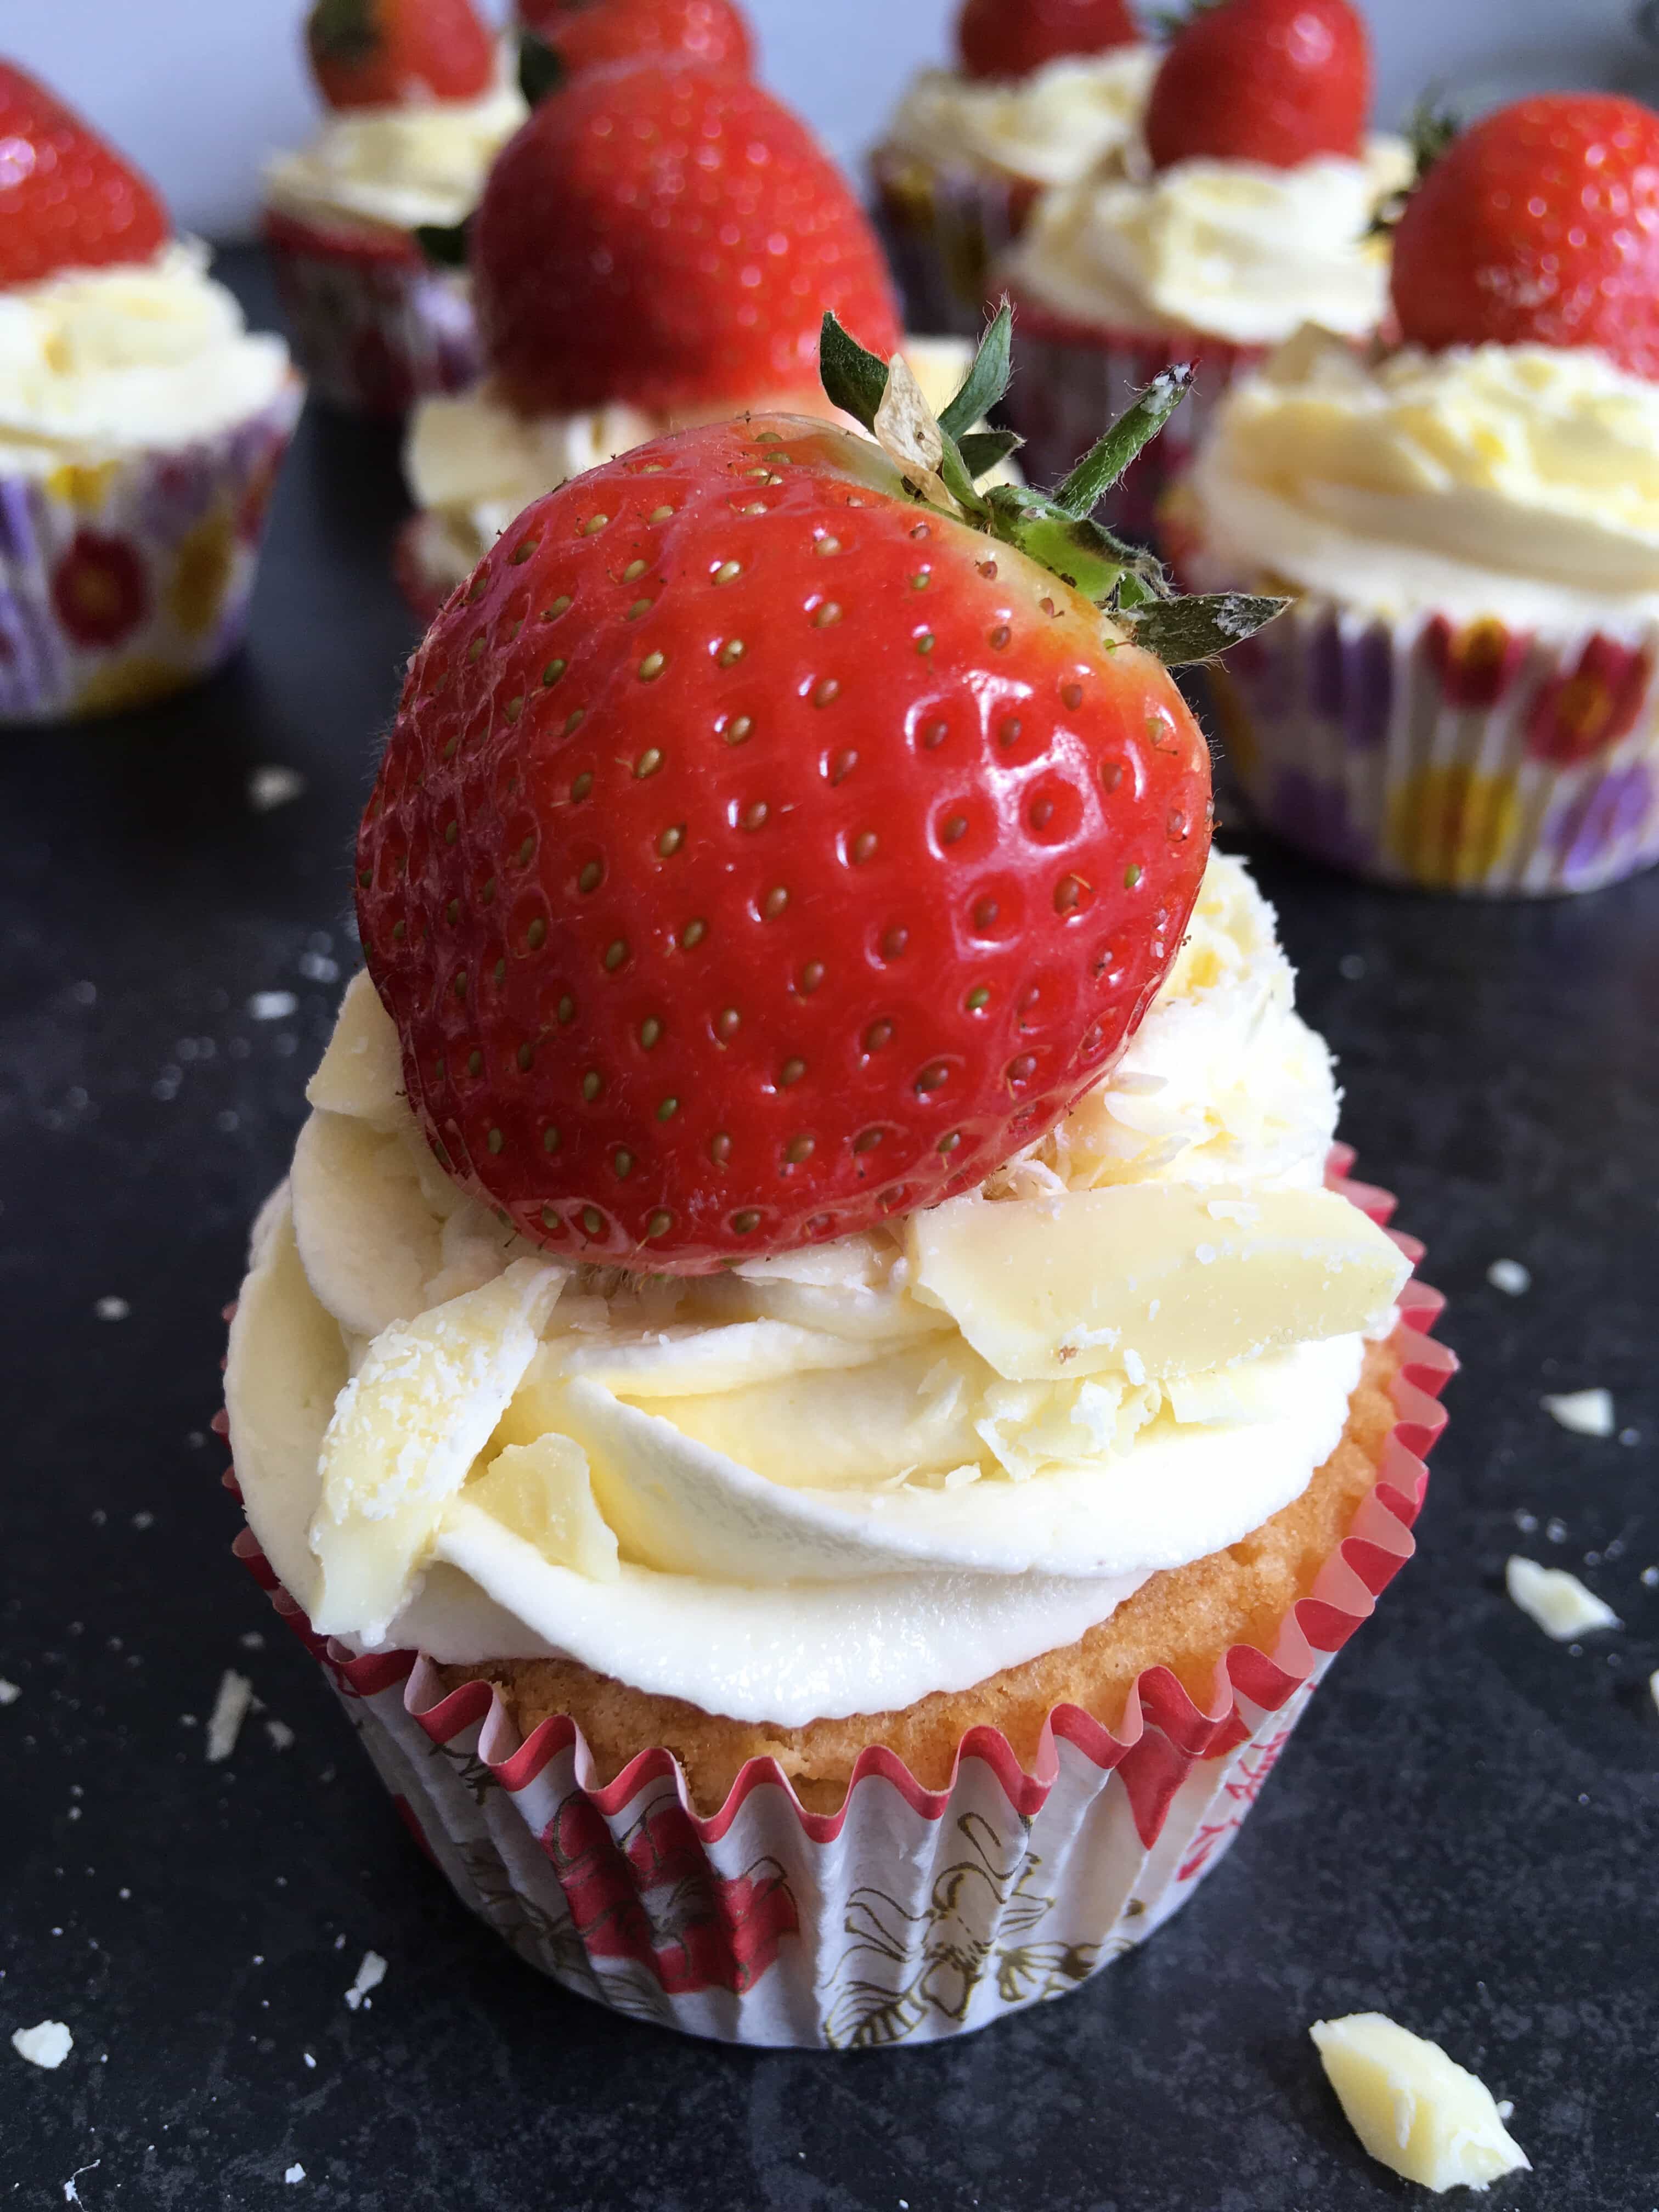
column 584, row 34
column 66, row 200
column 668, row 234
column 1012, row 38
column 762, row 848
column 398, row 53
column 1277, row 82
column 1539, row 226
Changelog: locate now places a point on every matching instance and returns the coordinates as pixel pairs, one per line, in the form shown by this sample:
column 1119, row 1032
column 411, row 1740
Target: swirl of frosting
column 1228, row 249
column 401, row 166
column 1069, row 117
column 101, row 361
column 1491, row 480
column 834, row 1480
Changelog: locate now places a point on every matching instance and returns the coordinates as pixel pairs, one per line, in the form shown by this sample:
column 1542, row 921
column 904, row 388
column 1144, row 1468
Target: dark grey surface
column 1462, row 1834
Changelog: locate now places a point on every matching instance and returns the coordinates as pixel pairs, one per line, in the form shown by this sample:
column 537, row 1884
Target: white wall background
column 196, row 90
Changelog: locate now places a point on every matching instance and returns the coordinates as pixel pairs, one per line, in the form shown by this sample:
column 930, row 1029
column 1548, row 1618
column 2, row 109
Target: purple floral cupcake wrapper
column 943, row 229
column 123, row 580
column 374, row 333
column 1471, row 757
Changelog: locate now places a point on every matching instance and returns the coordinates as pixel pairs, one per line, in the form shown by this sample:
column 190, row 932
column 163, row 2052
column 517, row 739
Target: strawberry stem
column 1056, row 529
column 541, row 71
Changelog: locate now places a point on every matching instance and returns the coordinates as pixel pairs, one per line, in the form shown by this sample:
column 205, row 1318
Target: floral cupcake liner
column 123, row 580
column 1478, row 757
column 1072, row 382
column 911, row 1914
column 373, row 324
column 943, row 229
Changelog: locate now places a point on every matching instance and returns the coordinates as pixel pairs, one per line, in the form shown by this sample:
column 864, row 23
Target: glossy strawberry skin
column 1539, row 226
column 392, row 53
column 1276, row 81
column 669, row 235
column 67, row 201
column 587, row 35
column 792, row 853
column 1012, row 38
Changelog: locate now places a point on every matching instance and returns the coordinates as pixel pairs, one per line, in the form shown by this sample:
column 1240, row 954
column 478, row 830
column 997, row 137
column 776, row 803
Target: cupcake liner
column 1072, row 381
column 942, row 228
column 1473, row 757
column 374, row 326
column 123, row 580
column 911, row 1914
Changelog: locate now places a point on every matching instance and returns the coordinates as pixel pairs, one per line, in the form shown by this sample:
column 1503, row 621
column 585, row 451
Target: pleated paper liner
column 1073, row 380
column 123, row 580
column 1479, row 758
column 943, row 229
column 912, row 1913
column 374, row 324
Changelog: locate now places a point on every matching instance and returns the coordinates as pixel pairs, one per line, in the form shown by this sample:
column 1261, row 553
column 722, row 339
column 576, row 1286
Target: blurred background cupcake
column 421, row 96
column 1045, row 92
column 141, row 429
column 1463, row 697
column 1246, row 212
column 615, row 303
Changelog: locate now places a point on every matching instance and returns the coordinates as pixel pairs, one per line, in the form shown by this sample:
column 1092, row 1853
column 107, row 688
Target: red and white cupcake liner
column 943, row 229
column 912, row 1914
column 1073, row 380
column 1482, row 758
column 374, row 324
column 127, row 579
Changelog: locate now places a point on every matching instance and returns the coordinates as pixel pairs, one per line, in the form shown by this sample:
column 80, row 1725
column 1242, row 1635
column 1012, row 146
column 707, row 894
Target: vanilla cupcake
column 1033, row 104
column 361, row 224
column 1463, row 697
column 141, row 425
column 1229, row 231
column 816, row 1340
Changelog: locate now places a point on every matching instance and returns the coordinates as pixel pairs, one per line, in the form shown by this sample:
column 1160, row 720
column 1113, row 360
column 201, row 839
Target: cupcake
column 614, row 303
column 419, row 98
column 141, row 428
column 807, row 1347
column 1045, row 92
column 1463, row 697
column 1246, row 214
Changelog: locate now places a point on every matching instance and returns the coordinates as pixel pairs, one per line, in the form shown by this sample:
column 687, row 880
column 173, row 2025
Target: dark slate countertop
column 1463, row 1833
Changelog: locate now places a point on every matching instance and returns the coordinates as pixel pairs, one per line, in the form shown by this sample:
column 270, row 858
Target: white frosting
column 1230, row 250
column 472, row 462
column 100, row 363
column 401, row 166
column 826, row 1502
column 1065, row 120
column 1516, row 480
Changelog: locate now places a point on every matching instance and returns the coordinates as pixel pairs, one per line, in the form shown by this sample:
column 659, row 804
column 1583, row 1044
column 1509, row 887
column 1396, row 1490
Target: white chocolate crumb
column 48, row 2044
column 1586, row 1413
column 272, row 1006
column 9, row 1692
column 272, row 786
column 112, row 1309
column 370, row 1975
column 1557, row 1601
column 295, row 2172
column 1510, row 1276
column 1415, row 2109
column 229, row 1711
column 280, row 1734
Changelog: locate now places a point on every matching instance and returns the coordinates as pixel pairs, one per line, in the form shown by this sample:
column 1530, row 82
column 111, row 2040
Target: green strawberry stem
column 1054, row 528
column 541, row 71
column 344, row 30
column 1428, row 131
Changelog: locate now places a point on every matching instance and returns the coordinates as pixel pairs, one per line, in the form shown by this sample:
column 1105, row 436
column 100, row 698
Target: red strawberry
column 670, row 235
column 586, row 33
column 1012, row 38
column 759, row 850
column 66, row 200
column 395, row 53
column 1277, row 82
column 1539, row 226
